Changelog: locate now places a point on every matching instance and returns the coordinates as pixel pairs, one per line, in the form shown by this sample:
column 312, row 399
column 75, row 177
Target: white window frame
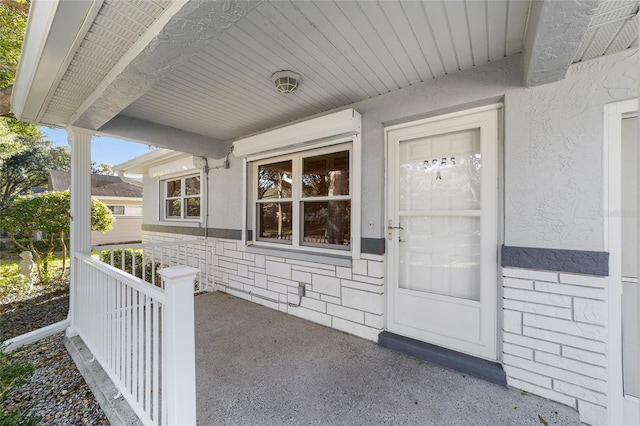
column 162, row 184
column 124, row 209
column 351, row 144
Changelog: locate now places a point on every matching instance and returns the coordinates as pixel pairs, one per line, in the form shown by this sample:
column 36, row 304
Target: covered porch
column 260, row 366
column 529, row 79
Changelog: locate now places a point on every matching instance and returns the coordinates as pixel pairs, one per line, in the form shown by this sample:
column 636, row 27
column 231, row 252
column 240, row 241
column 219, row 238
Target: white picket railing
column 144, row 259
column 125, row 323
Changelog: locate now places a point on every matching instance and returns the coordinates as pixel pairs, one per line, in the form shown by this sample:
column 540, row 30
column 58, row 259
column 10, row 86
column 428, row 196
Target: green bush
column 129, row 255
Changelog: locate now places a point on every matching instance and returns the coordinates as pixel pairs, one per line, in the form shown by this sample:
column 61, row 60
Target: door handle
column 390, row 229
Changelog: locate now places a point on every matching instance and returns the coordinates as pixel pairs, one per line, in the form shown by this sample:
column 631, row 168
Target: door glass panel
column 630, row 338
column 441, row 172
column 629, row 211
column 440, row 255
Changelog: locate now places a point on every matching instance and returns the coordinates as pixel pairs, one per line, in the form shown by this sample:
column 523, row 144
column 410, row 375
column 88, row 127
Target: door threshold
column 481, row 368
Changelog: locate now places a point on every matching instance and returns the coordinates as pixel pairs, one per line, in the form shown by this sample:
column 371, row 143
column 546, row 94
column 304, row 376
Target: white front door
column 629, row 258
column 442, row 231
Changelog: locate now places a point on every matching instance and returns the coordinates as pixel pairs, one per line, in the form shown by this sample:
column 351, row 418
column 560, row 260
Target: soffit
column 613, row 28
column 345, row 52
column 118, row 25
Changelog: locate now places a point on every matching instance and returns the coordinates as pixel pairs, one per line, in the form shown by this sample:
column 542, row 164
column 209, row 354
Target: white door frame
column 495, row 304
column 613, row 115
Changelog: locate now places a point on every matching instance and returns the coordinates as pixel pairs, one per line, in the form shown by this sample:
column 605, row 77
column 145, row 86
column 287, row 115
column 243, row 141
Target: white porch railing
column 143, row 260
column 125, row 323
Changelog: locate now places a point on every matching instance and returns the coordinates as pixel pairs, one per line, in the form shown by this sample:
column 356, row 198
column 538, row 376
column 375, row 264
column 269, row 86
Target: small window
column 304, row 199
column 116, row 210
column 181, row 198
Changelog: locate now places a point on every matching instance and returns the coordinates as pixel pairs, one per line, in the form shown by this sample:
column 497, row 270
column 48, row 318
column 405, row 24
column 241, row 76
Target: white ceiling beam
column 553, row 36
column 161, row 136
column 183, row 32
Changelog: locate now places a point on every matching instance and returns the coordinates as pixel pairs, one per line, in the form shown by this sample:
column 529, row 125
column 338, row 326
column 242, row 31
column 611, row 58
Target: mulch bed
column 56, row 391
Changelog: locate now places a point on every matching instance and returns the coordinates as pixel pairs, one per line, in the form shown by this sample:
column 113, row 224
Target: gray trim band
column 372, row 245
column 367, row 245
column 542, row 259
column 230, row 234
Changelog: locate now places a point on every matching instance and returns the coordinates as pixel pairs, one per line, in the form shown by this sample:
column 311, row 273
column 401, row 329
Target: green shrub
column 129, row 256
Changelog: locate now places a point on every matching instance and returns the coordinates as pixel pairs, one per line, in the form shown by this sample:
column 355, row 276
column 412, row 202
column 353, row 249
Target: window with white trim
column 304, row 198
column 116, row 210
column 181, row 198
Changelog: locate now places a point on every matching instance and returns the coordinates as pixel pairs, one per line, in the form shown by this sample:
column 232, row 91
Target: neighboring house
column 455, row 174
column 122, row 198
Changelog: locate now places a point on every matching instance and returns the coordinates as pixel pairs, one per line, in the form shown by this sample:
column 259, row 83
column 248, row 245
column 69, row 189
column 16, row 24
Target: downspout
column 205, row 170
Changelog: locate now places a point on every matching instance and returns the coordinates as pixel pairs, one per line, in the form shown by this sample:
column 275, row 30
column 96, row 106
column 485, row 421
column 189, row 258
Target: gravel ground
column 56, row 390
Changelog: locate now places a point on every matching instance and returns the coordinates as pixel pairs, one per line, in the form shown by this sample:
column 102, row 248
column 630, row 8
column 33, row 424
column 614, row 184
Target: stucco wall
column 552, row 144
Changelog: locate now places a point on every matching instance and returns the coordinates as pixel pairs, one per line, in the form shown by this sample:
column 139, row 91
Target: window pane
column 192, row 185
column 274, row 180
column 173, row 208
column 327, row 222
column 173, row 188
column 326, row 175
column 275, row 221
column 192, row 207
column 117, row 210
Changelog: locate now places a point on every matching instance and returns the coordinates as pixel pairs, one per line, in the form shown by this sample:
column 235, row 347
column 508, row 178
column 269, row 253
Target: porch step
column 467, row 364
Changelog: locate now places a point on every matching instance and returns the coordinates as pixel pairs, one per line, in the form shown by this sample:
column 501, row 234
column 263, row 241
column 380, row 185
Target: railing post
column 178, row 345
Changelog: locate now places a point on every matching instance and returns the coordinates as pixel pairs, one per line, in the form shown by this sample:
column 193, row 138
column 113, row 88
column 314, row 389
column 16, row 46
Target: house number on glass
column 446, row 162
column 437, row 163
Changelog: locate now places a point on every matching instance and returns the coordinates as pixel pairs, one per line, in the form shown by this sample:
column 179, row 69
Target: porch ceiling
column 199, row 71
column 345, row 52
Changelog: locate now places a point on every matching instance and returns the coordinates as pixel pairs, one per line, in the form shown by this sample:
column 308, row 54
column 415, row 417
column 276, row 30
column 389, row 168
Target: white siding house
column 122, row 198
column 455, row 174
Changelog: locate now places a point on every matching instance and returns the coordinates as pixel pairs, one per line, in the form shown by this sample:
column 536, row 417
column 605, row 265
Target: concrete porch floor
column 259, row 366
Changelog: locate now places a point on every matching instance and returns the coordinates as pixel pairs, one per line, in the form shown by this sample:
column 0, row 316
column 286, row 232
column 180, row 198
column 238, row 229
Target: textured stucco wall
column 554, row 154
column 552, row 142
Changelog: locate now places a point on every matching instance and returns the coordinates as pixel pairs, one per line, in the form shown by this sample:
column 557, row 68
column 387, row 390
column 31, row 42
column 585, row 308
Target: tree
column 102, row 169
column 25, row 158
column 13, row 22
column 24, row 216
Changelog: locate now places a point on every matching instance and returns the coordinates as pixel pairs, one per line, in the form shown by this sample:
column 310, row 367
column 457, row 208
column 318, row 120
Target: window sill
column 327, row 259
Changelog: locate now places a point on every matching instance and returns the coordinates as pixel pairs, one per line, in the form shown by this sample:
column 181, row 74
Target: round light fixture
column 286, row 82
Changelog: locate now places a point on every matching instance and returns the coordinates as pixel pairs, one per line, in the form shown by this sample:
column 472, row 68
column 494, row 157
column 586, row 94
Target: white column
column 80, row 142
column 178, row 345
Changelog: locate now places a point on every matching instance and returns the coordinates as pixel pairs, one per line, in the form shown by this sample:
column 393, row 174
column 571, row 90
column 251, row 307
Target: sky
column 103, row 150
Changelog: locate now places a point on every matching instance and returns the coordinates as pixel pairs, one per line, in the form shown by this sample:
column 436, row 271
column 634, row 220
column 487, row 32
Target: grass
column 15, row 286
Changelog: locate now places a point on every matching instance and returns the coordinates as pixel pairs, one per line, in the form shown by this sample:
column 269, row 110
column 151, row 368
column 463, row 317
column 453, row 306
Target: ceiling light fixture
column 286, row 81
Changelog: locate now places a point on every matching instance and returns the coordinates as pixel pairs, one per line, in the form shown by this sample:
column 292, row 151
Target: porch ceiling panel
column 613, row 28
column 118, row 25
column 345, row 52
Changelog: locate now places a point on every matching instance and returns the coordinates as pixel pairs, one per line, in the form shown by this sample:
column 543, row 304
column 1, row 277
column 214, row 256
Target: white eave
column 55, row 29
column 140, row 164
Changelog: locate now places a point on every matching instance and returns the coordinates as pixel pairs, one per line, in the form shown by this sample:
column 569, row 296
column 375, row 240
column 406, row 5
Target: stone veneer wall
column 555, row 338
column 554, row 324
column 349, row 299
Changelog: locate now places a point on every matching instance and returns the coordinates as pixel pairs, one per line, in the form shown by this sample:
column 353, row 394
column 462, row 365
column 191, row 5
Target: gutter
column 132, row 181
